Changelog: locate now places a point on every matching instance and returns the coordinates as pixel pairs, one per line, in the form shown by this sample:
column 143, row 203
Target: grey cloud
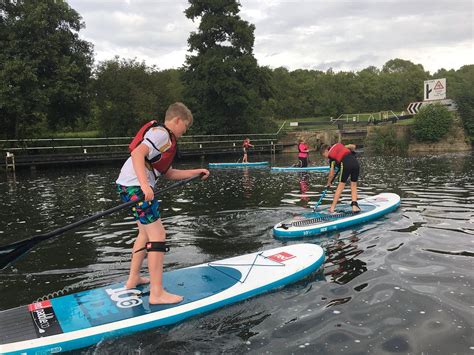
column 302, row 34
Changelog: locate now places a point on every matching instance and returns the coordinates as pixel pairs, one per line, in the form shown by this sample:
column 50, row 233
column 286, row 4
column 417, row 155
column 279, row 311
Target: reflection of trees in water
column 247, row 183
column 304, row 187
column 341, row 261
column 223, row 235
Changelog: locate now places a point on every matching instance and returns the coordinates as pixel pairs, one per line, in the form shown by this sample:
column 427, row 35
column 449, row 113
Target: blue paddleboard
column 85, row 318
column 237, row 165
column 295, row 168
column 321, row 221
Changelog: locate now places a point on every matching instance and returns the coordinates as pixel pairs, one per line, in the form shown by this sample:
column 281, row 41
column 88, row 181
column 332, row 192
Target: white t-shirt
column 161, row 142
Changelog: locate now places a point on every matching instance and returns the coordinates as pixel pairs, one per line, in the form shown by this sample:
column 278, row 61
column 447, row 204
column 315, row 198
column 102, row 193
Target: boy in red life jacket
column 152, row 153
column 303, row 153
column 343, row 159
column 246, row 145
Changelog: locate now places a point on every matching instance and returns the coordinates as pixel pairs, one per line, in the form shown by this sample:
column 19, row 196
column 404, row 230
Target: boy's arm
column 331, row 174
column 177, row 174
column 138, row 161
column 351, row 146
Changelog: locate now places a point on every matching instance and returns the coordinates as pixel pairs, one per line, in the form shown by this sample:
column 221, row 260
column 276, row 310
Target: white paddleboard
column 321, row 221
column 85, row 318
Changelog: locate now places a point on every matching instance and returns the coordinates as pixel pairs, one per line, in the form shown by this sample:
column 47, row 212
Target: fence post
column 10, row 161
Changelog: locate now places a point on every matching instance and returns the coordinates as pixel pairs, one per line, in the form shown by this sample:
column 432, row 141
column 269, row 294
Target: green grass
column 83, row 134
column 407, row 122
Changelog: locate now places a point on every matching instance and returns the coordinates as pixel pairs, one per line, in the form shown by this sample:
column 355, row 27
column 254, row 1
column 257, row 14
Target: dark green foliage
column 128, row 94
column 224, row 85
column 384, row 140
column 461, row 88
column 432, row 123
column 44, row 67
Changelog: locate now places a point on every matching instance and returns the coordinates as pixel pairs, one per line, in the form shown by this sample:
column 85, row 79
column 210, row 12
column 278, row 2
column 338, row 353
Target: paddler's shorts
column 349, row 168
column 145, row 212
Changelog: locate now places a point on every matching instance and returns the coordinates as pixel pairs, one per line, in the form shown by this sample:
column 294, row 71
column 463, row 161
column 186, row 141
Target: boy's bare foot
column 133, row 282
column 164, row 298
column 355, row 209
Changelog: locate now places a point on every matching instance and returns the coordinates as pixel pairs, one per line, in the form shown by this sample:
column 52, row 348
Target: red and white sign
column 435, row 89
column 281, row 257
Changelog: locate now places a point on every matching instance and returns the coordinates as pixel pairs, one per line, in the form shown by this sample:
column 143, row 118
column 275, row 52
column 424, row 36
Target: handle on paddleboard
column 11, row 252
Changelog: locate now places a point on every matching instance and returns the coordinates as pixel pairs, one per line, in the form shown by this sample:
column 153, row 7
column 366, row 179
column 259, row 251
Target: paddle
column 321, row 198
column 11, row 252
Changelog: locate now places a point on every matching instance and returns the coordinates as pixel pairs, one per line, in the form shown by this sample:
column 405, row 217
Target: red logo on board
column 281, row 257
column 39, row 305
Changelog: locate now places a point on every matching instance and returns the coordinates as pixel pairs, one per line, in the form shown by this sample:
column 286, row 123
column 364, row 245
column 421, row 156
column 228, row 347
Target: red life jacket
column 338, row 151
column 162, row 162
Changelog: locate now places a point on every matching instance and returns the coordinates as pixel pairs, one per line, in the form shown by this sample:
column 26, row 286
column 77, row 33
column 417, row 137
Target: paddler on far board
column 342, row 158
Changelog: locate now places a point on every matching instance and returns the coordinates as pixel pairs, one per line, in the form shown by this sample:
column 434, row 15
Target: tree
column 223, row 84
column 128, row 94
column 44, row 67
column 432, row 123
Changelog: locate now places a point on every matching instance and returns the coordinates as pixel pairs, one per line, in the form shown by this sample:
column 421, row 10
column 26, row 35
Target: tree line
column 49, row 83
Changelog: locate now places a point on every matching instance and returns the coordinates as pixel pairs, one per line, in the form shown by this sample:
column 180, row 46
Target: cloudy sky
column 344, row 35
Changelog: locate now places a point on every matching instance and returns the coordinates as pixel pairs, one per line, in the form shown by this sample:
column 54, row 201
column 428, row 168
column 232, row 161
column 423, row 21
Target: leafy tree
column 224, row 86
column 44, row 67
column 460, row 87
column 129, row 93
column 432, row 123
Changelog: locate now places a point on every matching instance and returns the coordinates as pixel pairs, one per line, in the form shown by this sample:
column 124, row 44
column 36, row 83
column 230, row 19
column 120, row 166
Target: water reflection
column 342, row 264
column 304, row 188
column 387, row 285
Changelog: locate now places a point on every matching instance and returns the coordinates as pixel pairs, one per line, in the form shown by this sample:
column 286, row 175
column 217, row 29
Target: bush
column 384, row 140
column 432, row 123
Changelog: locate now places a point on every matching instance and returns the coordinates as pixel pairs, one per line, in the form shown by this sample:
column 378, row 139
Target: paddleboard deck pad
column 295, row 168
column 322, row 221
column 237, row 165
column 83, row 319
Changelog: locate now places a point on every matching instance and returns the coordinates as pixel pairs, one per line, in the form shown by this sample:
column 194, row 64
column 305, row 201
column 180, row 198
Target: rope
column 250, row 269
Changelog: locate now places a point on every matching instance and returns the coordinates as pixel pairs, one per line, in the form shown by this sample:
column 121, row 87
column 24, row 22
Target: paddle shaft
column 13, row 251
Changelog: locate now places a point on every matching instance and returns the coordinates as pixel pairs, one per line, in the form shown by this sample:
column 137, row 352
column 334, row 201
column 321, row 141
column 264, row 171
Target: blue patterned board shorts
column 145, row 212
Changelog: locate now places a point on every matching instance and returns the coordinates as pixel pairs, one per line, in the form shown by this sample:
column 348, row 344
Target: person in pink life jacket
column 303, row 153
column 342, row 158
column 245, row 147
column 152, row 153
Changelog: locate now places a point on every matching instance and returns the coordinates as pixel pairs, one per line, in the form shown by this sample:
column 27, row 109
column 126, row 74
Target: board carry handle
column 11, row 252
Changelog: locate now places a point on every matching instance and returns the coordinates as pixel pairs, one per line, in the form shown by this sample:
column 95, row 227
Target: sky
column 307, row 34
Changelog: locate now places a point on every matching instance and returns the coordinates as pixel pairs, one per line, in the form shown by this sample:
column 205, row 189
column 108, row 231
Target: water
column 402, row 284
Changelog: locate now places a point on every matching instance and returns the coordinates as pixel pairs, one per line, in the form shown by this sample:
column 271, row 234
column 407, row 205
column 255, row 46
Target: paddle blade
column 12, row 252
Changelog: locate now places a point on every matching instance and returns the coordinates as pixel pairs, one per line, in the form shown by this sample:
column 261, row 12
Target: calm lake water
column 402, row 284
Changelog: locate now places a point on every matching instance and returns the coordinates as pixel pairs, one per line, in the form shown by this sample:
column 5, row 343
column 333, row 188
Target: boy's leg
column 354, row 196
column 158, row 295
column 337, row 195
column 134, row 277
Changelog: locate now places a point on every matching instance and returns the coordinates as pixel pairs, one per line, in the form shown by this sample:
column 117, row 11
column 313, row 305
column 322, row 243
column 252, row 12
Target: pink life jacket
column 301, row 150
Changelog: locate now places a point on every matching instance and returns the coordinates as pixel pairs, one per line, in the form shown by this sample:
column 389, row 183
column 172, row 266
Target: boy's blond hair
column 178, row 109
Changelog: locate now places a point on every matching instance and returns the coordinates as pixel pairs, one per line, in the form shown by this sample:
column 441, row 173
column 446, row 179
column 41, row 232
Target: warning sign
column 435, row 89
column 438, row 86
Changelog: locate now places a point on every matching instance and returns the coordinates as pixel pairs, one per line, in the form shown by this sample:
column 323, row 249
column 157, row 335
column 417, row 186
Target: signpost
column 435, row 89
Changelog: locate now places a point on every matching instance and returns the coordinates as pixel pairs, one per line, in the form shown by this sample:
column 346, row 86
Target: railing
column 48, row 150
